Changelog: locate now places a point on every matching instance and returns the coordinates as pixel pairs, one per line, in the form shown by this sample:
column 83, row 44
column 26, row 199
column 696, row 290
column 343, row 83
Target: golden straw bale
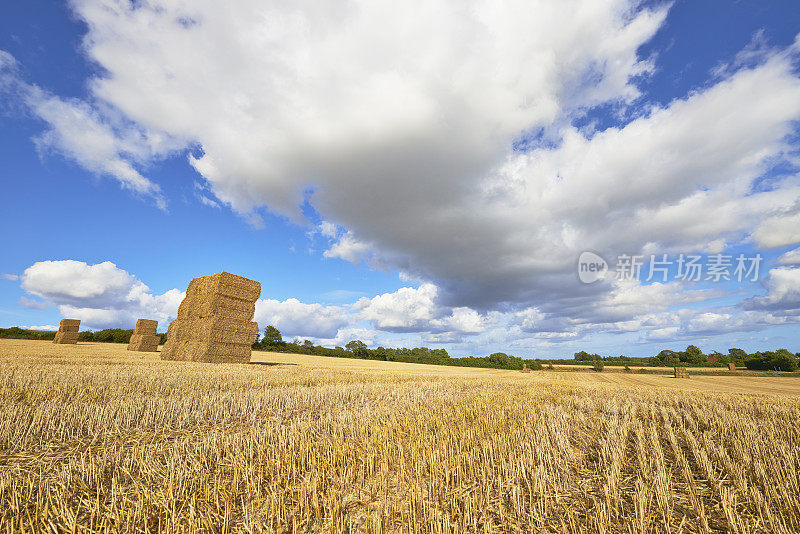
column 214, row 322
column 211, row 304
column 144, row 342
column 146, row 326
column 66, row 338
column 213, row 329
column 67, row 332
column 208, row 352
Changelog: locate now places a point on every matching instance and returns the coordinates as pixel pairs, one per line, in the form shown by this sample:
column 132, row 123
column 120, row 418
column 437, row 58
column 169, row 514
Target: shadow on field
column 270, row 364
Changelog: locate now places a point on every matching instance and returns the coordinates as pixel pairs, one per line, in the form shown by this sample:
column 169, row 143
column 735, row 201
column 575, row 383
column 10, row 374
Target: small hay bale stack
column 525, row 368
column 144, row 337
column 731, row 367
column 215, row 321
column 67, row 332
column 680, row 372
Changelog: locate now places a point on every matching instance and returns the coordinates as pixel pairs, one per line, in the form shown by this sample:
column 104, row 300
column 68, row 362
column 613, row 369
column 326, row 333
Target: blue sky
column 365, row 164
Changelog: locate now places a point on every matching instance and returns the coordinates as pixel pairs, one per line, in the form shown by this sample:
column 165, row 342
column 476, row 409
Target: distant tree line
column 273, row 341
column 109, row 335
column 16, row 332
column 778, row 360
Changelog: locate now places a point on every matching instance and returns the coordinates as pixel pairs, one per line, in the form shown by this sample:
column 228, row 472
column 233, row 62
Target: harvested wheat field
column 96, row 438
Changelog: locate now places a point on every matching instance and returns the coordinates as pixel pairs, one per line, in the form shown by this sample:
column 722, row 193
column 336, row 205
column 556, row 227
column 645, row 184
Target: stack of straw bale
column 67, row 332
column 680, row 372
column 731, row 367
column 144, row 337
column 525, row 368
column 214, row 322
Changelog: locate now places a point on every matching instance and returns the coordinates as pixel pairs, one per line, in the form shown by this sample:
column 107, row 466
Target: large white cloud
column 97, row 137
column 779, row 230
column 406, row 310
column 70, row 281
column 791, row 257
column 104, row 295
column 295, row 318
column 101, row 295
column 783, row 293
column 357, row 93
column 401, row 117
column 411, row 309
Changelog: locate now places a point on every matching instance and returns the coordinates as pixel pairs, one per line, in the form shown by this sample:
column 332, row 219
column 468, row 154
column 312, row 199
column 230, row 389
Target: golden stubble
column 95, row 438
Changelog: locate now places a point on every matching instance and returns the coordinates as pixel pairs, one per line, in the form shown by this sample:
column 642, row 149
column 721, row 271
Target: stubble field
column 94, row 438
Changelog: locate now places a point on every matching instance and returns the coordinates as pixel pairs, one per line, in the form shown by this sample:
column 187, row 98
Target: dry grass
column 95, row 438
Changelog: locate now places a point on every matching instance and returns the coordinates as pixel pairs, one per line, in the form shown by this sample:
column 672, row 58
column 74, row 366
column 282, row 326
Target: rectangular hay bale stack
column 144, row 342
column 210, row 305
column 214, row 328
column 66, row 338
column 731, row 367
column 67, row 332
column 680, row 372
column 215, row 321
column 206, row 352
column 145, row 326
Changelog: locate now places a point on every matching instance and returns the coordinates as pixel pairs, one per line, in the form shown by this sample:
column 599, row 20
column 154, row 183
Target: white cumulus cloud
column 101, row 295
column 295, row 318
column 783, row 292
column 401, row 119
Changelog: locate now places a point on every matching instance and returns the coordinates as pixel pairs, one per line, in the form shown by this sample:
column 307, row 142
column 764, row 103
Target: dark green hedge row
column 109, row 335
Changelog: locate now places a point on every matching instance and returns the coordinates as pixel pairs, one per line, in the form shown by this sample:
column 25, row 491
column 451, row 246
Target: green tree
column 667, row 357
column 783, row 360
column 500, row 358
column 598, row 365
column 780, row 360
column 272, row 337
column 693, row 354
column 533, row 365
column 357, row 347
column 737, row 356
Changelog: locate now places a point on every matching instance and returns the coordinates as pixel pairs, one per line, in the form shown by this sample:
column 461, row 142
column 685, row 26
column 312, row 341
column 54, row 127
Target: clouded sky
column 409, row 173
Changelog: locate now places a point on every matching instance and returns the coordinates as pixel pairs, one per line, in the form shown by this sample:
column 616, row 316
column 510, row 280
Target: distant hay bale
column 66, row 338
column 67, row 332
column 525, row 368
column 144, row 337
column 215, row 321
column 680, row 372
column 731, row 367
column 146, row 326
